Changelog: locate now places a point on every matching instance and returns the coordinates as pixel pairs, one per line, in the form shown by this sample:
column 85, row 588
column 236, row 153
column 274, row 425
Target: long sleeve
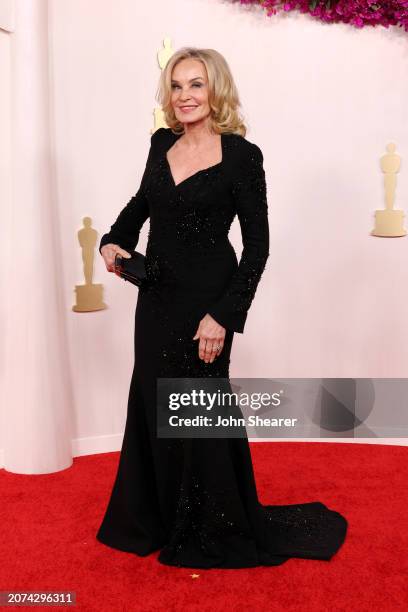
column 126, row 229
column 249, row 192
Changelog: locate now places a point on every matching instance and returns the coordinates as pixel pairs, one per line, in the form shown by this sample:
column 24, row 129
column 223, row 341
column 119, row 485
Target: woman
column 195, row 499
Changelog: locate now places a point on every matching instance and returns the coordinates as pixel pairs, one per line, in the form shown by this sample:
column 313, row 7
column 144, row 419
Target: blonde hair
column 223, row 95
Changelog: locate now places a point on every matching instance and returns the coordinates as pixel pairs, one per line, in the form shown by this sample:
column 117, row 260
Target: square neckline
column 176, row 185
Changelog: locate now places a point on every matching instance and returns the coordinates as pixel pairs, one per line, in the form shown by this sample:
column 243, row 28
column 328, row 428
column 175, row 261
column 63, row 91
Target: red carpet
column 48, row 526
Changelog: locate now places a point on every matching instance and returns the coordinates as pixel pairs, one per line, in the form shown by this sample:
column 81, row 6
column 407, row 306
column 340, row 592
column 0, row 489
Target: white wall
column 322, row 102
column 5, row 203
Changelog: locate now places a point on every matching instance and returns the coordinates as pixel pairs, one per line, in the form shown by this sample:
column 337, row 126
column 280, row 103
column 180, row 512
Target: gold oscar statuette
column 390, row 221
column 88, row 296
column 163, row 56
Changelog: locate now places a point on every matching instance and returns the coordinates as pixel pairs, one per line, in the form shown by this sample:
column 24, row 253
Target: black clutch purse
column 132, row 269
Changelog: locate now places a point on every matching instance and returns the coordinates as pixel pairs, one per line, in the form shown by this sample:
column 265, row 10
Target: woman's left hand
column 211, row 335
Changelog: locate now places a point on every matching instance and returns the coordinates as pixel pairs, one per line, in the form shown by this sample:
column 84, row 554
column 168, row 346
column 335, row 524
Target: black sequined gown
column 195, row 500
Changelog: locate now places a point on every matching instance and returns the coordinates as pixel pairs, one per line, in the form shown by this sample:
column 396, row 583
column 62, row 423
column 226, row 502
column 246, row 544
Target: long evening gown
column 195, row 500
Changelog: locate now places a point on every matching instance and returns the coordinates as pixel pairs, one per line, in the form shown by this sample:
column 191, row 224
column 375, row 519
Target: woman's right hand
column 108, row 252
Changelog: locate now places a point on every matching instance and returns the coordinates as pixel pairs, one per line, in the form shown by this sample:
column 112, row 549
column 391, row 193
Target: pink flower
column 358, row 13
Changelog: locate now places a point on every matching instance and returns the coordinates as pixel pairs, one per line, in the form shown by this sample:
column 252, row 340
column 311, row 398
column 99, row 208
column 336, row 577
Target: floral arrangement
column 358, row 13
